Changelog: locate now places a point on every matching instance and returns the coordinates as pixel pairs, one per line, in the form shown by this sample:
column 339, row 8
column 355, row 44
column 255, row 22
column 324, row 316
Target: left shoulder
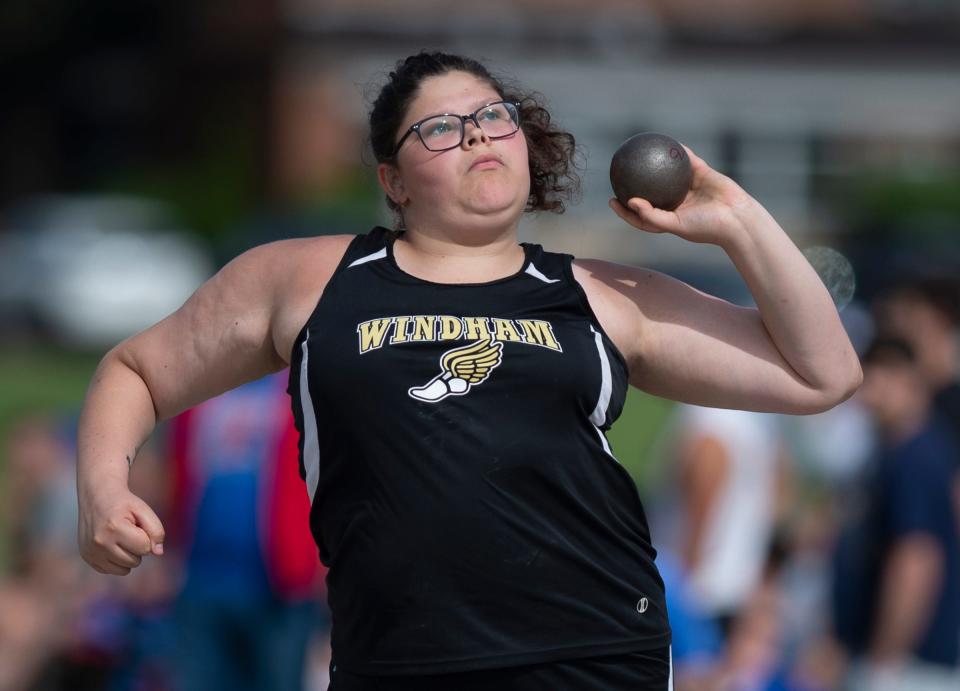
column 603, row 275
column 647, row 294
column 631, row 281
column 614, row 292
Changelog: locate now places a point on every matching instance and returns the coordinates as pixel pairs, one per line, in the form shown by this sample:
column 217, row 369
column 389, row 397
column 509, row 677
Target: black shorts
column 650, row 670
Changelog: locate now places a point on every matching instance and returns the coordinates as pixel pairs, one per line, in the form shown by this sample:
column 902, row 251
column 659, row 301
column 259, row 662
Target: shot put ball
column 653, row 166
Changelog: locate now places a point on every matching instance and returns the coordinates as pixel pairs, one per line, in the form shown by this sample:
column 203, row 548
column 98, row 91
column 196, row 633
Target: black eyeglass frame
column 415, row 127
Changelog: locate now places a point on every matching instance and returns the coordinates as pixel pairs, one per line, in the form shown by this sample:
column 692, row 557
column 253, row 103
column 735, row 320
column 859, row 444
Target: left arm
column 912, row 576
column 791, row 354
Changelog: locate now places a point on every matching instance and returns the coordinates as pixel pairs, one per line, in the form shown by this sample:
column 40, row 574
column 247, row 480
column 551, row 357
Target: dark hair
column 553, row 175
column 940, row 292
column 887, row 350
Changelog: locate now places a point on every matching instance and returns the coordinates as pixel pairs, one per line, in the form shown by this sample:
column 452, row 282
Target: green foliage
column 41, row 380
column 633, row 438
column 923, row 206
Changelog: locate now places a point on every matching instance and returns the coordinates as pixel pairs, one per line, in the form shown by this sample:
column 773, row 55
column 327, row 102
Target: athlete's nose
column 473, row 134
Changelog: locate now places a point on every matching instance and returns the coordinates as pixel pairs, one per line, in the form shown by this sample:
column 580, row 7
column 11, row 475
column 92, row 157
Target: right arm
column 238, row 326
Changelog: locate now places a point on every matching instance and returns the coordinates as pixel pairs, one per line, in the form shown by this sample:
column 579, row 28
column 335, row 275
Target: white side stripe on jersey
column 369, row 258
column 599, row 414
column 605, row 443
column 311, row 444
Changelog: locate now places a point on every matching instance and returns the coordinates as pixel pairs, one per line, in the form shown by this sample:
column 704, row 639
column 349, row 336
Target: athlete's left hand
column 713, row 211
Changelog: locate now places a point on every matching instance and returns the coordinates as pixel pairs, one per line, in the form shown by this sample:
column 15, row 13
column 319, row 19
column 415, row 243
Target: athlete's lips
column 485, row 158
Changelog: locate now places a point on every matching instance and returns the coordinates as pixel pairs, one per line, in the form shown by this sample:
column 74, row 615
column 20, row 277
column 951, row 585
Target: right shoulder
column 283, row 261
column 297, row 271
column 280, row 271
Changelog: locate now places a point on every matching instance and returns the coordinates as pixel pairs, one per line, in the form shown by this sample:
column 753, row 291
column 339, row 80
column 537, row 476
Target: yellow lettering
column 372, row 333
column 400, row 330
column 476, row 328
column 506, row 331
column 423, row 328
column 450, row 328
column 538, row 332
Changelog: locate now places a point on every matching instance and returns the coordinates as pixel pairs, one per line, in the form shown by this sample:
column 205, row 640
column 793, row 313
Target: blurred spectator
column 30, row 637
column 829, row 449
column 63, row 625
column 247, row 607
column 897, row 577
column 926, row 313
column 39, row 510
column 754, row 658
column 696, row 642
column 730, row 465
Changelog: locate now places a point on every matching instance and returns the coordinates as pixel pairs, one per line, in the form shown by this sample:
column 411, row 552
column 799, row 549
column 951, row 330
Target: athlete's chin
column 493, row 214
column 491, row 191
column 495, row 203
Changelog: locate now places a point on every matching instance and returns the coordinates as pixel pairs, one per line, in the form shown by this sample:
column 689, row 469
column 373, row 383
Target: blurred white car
column 90, row 271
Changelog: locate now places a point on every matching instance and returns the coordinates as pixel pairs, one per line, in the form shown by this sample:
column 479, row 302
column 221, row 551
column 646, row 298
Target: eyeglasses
column 442, row 132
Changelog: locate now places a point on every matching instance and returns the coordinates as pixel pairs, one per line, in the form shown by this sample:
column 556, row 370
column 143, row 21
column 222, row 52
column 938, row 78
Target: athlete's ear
column 392, row 183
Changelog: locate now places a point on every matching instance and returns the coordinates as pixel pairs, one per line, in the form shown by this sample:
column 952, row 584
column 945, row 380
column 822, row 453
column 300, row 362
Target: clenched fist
column 117, row 529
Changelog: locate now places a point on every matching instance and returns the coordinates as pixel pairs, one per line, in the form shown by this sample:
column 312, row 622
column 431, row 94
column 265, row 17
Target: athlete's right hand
column 117, row 529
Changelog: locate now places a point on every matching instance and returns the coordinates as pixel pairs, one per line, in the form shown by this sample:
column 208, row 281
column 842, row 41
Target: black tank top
column 463, row 493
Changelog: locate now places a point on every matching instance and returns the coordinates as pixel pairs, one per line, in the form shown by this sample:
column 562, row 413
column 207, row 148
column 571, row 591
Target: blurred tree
column 901, row 223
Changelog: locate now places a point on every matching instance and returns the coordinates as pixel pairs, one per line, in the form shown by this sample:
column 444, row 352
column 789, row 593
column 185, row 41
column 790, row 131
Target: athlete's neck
column 443, row 259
